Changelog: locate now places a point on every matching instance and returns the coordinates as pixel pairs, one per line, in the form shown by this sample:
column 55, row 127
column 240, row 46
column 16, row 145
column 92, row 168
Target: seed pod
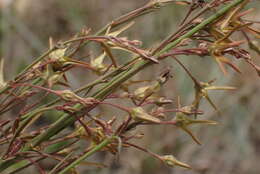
column 139, row 114
column 98, row 63
column 146, row 91
column 171, row 161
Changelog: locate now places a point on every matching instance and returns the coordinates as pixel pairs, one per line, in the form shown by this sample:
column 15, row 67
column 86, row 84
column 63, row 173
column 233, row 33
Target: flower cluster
column 46, row 78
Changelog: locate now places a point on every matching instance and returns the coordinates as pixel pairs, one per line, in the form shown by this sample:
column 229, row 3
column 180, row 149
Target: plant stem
column 201, row 25
column 109, row 88
column 117, row 80
column 87, row 154
column 61, row 162
column 112, row 85
column 19, row 76
column 117, row 22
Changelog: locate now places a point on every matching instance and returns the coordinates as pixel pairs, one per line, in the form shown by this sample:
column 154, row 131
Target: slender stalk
column 20, row 75
column 60, row 163
column 86, row 155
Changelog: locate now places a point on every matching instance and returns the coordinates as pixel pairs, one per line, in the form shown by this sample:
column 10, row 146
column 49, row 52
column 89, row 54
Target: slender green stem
column 34, row 63
column 25, row 123
column 52, row 149
column 19, row 76
column 60, row 163
column 86, row 155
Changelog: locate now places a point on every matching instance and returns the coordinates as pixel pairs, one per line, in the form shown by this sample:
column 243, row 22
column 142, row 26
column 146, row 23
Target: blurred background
column 231, row 147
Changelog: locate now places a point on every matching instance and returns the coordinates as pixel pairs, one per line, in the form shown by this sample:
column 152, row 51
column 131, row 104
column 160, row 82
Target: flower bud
column 171, row 161
column 146, row 91
column 97, row 63
column 70, row 96
column 139, row 114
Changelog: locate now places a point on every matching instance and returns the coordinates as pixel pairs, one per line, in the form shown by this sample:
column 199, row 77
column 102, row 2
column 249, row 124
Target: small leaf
column 185, row 129
column 209, row 122
column 120, row 30
column 220, row 88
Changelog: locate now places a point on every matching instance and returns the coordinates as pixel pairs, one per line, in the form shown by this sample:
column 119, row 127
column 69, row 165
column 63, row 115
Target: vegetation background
column 231, row 147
